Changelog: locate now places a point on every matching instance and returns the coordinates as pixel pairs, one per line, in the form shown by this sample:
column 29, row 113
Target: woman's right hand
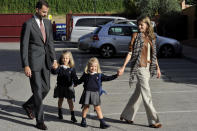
column 121, row 71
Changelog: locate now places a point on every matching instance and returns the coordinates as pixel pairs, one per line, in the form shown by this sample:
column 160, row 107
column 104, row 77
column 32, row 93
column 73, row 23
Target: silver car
column 114, row 38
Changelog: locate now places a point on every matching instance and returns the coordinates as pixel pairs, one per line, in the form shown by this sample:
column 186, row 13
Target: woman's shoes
column 156, row 125
column 127, row 121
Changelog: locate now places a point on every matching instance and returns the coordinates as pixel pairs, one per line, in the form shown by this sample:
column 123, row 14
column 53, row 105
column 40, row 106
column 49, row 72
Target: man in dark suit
column 38, row 56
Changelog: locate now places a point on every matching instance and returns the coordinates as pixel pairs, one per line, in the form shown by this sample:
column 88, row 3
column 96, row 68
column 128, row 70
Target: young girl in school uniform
column 90, row 95
column 65, row 79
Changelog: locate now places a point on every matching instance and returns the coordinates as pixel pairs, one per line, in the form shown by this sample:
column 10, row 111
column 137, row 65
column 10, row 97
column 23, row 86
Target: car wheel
column 107, row 51
column 166, row 51
column 63, row 38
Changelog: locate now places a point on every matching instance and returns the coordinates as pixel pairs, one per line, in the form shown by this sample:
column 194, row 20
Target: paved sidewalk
column 174, row 95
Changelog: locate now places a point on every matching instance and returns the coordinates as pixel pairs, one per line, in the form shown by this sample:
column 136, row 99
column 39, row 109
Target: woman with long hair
column 144, row 64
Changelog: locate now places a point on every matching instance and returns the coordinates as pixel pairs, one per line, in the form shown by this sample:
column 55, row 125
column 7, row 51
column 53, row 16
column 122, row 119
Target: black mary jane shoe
column 104, row 126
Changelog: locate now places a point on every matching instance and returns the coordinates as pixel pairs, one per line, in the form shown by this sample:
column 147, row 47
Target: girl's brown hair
column 71, row 60
column 150, row 31
column 90, row 62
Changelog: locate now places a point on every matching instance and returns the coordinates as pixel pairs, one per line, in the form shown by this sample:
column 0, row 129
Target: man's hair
column 40, row 3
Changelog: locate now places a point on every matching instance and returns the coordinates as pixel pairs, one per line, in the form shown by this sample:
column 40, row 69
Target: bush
column 63, row 6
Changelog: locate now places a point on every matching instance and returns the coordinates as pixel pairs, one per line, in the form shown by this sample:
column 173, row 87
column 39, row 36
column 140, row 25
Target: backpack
column 101, row 91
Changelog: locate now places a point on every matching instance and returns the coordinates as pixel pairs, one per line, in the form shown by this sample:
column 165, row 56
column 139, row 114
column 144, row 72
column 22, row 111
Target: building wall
column 11, row 25
column 191, row 18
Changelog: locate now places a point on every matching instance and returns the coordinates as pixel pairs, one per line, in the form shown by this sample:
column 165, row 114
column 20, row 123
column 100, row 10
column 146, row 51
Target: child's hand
column 55, row 66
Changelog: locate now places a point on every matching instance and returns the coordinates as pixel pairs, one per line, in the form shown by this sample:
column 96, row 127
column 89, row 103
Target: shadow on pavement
column 13, row 120
column 50, row 114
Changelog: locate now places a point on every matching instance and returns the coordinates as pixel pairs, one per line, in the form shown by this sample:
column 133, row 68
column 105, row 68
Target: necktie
column 42, row 29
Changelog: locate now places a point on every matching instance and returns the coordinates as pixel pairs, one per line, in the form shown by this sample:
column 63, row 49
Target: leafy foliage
column 63, row 6
column 131, row 8
column 191, row 2
column 153, row 7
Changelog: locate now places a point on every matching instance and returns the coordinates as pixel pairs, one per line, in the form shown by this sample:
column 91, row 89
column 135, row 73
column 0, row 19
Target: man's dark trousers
column 40, row 85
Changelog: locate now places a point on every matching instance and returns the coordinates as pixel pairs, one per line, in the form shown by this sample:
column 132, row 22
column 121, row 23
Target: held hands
column 120, row 71
column 27, row 71
column 55, row 65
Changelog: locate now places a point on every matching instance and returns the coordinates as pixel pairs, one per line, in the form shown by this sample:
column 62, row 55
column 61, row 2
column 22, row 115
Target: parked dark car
column 60, row 32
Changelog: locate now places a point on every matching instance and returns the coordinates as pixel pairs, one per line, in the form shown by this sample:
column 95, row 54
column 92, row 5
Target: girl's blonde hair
column 71, row 60
column 90, row 62
column 150, row 31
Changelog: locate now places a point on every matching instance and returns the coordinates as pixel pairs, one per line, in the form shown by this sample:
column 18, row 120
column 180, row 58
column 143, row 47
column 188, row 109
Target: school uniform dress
column 91, row 86
column 65, row 79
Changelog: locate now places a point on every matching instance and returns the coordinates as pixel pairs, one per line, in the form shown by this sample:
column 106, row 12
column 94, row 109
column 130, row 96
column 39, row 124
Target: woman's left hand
column 158, row 73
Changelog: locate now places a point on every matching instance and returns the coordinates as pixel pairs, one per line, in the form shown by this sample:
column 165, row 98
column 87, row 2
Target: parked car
column 60, row 32
column 82, row 25
column 113, row 38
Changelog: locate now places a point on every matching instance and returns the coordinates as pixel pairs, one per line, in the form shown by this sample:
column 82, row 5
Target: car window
column 92, row 22
column 103, row 21
column 134, row 29
column 126, row 22
column 122, row 31
column 97, row 30
column 86, row 22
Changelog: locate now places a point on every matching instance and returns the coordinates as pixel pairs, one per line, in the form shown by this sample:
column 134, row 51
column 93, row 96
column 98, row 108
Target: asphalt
column 175, row 88
column 190, row 53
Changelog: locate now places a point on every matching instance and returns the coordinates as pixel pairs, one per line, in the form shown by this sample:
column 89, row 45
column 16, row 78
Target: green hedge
column 64, row 6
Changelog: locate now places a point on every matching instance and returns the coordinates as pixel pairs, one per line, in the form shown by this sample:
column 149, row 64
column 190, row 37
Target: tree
column 169, row 7
column 148, row 7
column 191, row 2
column 131, row 7
column 152, row 7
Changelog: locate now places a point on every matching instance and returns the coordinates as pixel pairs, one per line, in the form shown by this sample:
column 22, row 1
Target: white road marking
column 160, row 92
column 164, row 112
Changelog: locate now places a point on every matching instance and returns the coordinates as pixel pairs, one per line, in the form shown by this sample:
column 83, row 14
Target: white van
column 82, row 25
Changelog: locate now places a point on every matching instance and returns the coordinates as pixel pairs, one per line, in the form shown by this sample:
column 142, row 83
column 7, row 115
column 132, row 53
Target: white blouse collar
column 64, row 66
column 92, row 73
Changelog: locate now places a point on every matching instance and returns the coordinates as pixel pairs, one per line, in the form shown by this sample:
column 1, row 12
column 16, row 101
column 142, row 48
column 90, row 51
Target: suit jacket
column 34, row 52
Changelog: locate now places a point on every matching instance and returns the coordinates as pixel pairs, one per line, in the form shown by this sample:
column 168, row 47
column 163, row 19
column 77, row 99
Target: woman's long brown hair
column 150, row 31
